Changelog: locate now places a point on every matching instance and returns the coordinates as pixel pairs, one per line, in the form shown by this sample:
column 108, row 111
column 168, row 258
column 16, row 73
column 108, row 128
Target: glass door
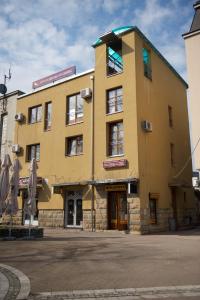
column 73, row 209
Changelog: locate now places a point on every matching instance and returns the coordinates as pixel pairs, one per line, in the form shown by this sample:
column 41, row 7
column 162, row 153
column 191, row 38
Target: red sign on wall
column 108, row 164
column 54, row 77
column 23, row 181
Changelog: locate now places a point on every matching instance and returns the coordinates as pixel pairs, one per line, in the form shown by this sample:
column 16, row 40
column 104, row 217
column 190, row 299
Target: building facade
column 8, row 104
column 110, row 143
column 192, row 45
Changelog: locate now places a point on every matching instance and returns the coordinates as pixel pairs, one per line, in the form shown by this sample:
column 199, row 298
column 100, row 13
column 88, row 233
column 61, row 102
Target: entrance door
column 26, row 218
column 73, row 209
column 117, row 210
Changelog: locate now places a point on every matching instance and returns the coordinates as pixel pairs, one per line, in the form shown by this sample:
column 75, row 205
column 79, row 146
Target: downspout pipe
column 92, row 152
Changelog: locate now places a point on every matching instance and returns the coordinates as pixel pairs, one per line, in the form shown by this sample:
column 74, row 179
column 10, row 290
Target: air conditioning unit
column 86, row 93
column 19, row 117
column 146, row 126
column 16, row 148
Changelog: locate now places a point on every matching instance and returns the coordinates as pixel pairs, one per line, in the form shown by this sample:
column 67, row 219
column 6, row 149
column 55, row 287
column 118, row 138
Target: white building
column 7, row 122
column 192, row 44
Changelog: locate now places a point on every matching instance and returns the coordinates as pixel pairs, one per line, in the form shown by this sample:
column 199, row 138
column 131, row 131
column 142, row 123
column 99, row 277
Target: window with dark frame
column 170, row 115
column 33, row 151
column 35, row 114
column 74, row 109
column 114, row 100
column 74, row 145
column 153, row 210
column 147, row 63
column 114, row 58
column 48, row 116
column 172, row 154
column 116, row 139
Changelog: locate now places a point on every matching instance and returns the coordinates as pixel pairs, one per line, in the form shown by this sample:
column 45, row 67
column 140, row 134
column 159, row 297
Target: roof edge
column 160, row 55
column 50, row 85
column 190, row 33
column 16, row 92
column 136, row 29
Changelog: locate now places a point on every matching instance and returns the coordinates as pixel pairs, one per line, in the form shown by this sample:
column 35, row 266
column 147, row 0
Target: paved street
column 71, row 261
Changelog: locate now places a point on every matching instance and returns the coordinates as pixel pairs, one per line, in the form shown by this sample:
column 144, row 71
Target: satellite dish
column 3, row 89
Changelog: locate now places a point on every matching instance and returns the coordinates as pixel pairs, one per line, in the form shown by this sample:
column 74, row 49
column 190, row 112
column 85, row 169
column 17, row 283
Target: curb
column 135, row 293
column 24, row 282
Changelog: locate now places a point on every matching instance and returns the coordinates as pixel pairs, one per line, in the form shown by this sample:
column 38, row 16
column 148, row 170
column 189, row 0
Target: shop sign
column 109, row 164
column 154, row 195
column 23, row 181
column 115, row 187
column 54, row 77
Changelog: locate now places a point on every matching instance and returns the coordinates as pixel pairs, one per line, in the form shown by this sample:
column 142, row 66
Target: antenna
column 7, row 77
column 3, row 90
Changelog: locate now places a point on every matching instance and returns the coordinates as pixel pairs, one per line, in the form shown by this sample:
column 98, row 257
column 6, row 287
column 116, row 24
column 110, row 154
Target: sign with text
column 54, row 77
column 23, row 181
column 115, row 187
column 109, row 164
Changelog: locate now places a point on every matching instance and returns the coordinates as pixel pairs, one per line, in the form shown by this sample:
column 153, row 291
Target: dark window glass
column 170, row 115
column 172, row 154
column 116, row 139
column 147, row 63
column 74, row 109
column 114, row 100
column 48, row 116
column 33, row 151
column 35, row 114
column 74, row 145
column 114, row 58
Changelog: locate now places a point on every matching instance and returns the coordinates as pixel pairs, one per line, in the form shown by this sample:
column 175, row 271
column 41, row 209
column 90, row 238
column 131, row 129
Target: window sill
column 116, row 112
column 71, row 124
column 111, row 75
column 29, row 161
column 34, row 123
column 117, row 155
column 68, row 155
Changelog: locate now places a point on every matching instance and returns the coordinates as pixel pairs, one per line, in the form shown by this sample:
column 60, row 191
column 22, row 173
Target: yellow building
column 110, row 143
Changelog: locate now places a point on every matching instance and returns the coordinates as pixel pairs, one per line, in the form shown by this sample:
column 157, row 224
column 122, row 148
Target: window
column 74, row 145
column 48, row 116
column 114, row 100
column 3, row 134
column 33, row 151
column 147, row 63
column 74, row 109
column 170, row 115
column 116, row 139
column 153, row 210
column 114, row 58
column 35, row 114
column 172, row 154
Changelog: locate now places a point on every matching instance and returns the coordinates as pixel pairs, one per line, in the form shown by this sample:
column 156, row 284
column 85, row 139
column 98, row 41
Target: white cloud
column 39, row 37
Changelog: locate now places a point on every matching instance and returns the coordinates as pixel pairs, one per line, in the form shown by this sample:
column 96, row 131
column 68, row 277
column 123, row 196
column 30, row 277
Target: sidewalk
column 101, row 265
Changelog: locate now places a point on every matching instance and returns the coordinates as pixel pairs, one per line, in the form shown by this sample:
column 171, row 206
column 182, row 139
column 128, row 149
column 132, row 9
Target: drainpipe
column 92, row 151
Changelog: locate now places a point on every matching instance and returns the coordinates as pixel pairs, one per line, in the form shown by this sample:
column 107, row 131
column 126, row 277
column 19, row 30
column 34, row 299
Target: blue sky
column 40, row 37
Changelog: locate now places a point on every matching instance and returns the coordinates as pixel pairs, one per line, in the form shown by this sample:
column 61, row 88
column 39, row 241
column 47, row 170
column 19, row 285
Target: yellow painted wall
column 126, row 79
column 54, row 165
column 148, row 154
column 153, row 98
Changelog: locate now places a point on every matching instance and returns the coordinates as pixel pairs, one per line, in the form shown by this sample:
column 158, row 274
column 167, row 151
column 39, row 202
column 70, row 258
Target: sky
column 41, row 37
